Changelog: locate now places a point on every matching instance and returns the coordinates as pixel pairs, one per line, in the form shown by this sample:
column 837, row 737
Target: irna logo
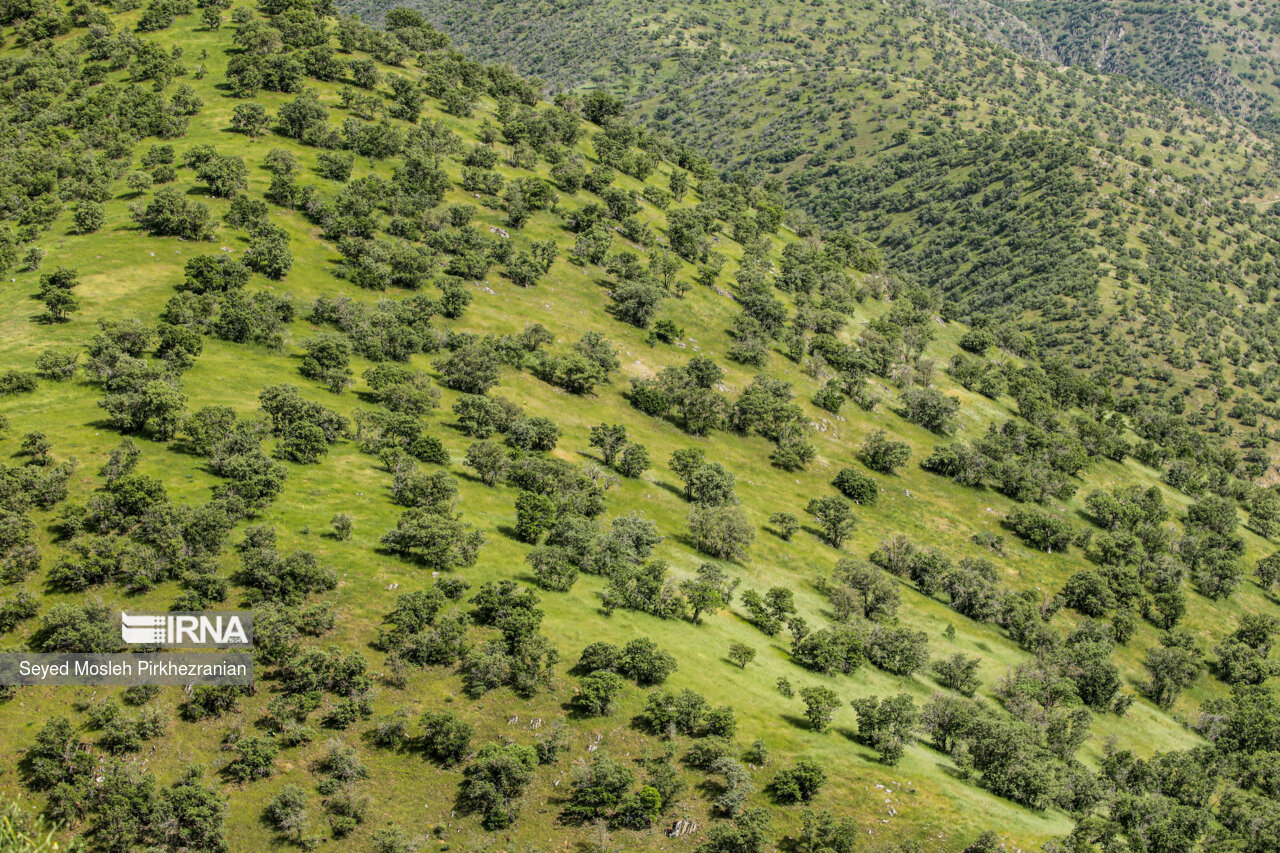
column 188, row 630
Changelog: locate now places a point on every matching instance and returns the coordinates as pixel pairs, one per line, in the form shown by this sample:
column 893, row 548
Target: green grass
column 126, row 274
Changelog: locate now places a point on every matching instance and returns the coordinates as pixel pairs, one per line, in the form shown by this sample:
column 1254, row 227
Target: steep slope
column 1070, row 205
column 1225, row 57
column 465, row 296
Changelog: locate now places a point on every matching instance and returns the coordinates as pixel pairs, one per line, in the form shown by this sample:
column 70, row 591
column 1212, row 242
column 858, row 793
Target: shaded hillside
column 1224, row 56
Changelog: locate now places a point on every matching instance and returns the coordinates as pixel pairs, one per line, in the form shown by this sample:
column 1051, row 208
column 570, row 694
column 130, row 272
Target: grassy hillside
column 1072, row 205
column 410, row 263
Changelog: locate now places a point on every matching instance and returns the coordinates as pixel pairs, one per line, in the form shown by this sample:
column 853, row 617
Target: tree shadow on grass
column 457, row 427
column 184, row 447
column 573, row 712
column 640, row 723
column 800, row 722
column 27, row 771
column 683, row 539
column 102, row 425
column 847, row 733
column 710, row 788
column 816, row 532
column 673, row 489
column 369, row 739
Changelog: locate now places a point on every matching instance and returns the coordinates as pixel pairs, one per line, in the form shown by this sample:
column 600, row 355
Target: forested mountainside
column 586, row 497
column 1075, row 212
column 1223, row 55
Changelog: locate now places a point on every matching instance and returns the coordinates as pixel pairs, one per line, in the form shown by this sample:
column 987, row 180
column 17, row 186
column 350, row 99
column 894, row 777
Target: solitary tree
column 835, row 517
column 857, row 486
column 328, row 360
column 37, row 445
column 445, row 738
column 495, row 780
column 819, row 705
column 287, row 811
column 89, row 217
column 472, row 368
column 785, row 523
column 741, row 654
column 801, row 783
column 211, row 17
column 881, row 454
column 1268, row 570
column 59, row 306
column 489, row 461
column 721, row 531
column 250, row 118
